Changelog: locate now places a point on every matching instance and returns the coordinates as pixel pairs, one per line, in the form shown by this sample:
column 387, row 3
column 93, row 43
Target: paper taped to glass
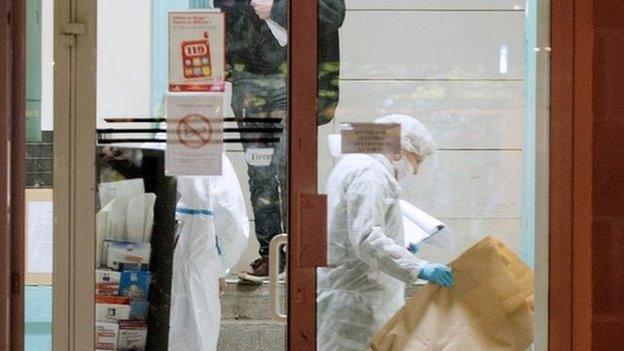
column 490, row 307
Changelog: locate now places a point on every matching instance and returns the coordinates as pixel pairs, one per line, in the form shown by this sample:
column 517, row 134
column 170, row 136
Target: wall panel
column 466, row 184
column 459, row 114
column 432, row 45
column 469, row 231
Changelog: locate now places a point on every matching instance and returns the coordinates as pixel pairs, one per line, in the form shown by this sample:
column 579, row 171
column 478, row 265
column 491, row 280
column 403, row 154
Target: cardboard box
column 139, row 310
column 112, row 308
column 106, row 335
column 135, row 285
column 126, row 256
column 132, row 336
column 197, row 51
column 107, row 282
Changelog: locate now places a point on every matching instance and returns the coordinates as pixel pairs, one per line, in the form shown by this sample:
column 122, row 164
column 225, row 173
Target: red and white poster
column 197, row 51
column 194, row 134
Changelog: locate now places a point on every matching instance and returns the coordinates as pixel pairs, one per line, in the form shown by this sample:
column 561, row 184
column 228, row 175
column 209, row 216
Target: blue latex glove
column 413, row 248
column 437, row 273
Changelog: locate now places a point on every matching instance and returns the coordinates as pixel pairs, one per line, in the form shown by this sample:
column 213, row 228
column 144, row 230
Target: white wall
column 47, row 65
column 441, row 62
column 124, row 59
column 124, row 56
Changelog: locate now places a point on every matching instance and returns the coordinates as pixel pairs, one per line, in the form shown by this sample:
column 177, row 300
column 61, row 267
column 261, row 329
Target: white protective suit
column 213, row 234
column 364, row 284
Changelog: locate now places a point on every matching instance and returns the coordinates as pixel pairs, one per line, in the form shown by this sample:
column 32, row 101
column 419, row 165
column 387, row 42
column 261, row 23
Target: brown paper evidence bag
column 490, row 307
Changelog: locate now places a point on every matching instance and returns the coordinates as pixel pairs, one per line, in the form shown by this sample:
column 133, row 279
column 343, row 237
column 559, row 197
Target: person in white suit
column 368, row 264
column 213, row 229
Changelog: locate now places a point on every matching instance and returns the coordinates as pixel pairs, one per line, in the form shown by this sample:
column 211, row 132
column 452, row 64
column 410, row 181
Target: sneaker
column 258, row 271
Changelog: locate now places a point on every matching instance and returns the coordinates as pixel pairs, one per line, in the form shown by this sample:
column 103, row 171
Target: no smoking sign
column 194, row 134
column 194, row 131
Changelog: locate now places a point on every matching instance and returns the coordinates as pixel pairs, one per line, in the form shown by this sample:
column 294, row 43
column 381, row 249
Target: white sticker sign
column 194, row 134
column 370, row 138
column 259, row 157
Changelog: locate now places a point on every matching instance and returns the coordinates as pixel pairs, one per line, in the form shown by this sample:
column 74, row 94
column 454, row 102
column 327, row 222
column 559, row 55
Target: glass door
column 177, row 198
column 420, row 221
column 191, row 174
column 176, row 195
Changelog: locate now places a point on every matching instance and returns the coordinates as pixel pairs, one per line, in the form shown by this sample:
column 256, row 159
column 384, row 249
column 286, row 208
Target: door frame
column 13, row 165
column 571, row 140
column 302, row 156
column 5, row 120
column 75, row 35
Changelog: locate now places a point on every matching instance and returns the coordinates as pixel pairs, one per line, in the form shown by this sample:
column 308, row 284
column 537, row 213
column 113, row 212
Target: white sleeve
column 368, row 200
column 231, row 222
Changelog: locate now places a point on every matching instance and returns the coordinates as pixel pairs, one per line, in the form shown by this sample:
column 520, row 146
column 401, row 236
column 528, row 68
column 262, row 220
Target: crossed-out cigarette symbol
column 194, row 131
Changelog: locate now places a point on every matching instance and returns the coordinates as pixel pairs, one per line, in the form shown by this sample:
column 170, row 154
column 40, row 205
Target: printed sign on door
column 194, row 134
column 371, row 138
column 196, row 51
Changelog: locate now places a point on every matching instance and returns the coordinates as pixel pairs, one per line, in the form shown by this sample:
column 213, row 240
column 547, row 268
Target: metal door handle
column 274, row 263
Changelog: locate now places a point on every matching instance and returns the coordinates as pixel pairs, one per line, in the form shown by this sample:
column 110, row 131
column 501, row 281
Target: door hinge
column 16, row 283
column 72, row 30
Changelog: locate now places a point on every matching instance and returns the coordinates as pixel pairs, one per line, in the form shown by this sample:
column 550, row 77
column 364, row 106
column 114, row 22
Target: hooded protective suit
column 213, row 232
column 364, row 285
column 368, row 263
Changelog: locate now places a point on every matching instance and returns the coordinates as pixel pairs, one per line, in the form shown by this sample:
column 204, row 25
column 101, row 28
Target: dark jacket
column 251, row 46
column 331, row 17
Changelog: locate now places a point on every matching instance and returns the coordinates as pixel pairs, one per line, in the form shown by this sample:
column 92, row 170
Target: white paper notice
column 40, row 226
column 194, row 134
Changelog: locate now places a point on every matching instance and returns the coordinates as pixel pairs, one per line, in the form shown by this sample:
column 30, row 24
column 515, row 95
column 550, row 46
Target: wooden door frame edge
column 571, row 140
column 560, row 180
column 582, row 204
column 18, row 172
column 13, row 162
column 302, row 151
column 5, row 238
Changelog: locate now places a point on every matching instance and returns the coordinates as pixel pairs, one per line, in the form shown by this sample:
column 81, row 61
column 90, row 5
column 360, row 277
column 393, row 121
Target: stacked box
column 132, row 336
column 106, row 335
column 126, row 256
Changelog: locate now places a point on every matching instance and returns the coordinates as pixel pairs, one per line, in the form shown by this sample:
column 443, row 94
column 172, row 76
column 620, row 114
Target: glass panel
column 184, row 227
column 460, row 79
column 39, row 175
